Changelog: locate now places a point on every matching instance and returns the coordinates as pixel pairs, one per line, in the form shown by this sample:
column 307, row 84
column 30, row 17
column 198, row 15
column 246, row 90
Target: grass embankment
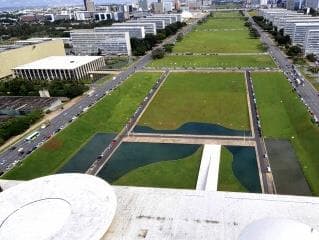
column 218, row 98
column 227, row 181
column 108, row 115
column 283, row 116
column 214, row 61
column 180, row 173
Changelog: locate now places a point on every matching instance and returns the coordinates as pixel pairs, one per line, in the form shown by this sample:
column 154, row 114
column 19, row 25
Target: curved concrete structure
column 278, row 229
column 62, row 206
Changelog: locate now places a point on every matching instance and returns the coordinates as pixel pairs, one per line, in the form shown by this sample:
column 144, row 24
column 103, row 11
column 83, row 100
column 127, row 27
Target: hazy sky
column 26, row 3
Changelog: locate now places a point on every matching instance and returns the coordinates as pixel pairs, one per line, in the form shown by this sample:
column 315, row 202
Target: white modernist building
column 300, row 30
column 150, row 28
column 160, row 23
column 134, row 31
column 290, row 24
column 103, row 43
column 311, row 44
column 70, row 68
column 284, row 21
column 168, row 20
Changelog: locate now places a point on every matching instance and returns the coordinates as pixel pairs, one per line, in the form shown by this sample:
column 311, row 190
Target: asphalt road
column 261, row 151
column 305, row 90
column 11, row 156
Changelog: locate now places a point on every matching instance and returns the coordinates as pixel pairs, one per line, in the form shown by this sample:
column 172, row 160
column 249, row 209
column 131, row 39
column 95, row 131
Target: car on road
column 21, row 150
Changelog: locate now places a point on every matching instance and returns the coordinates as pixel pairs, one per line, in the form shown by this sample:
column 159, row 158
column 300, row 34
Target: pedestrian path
column 208, row 172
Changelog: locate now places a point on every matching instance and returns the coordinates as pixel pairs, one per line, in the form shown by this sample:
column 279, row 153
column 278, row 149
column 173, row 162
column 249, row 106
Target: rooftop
column 57, row 207
column 157, row 213
column 59, row 62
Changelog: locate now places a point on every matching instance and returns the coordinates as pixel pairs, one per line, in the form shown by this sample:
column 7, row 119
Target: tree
column 168, row 47
column 158, row 53
column 311, row 57
column 294, row 51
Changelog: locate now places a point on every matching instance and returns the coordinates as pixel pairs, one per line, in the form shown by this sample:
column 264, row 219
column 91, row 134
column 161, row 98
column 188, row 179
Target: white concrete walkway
column 208, row 171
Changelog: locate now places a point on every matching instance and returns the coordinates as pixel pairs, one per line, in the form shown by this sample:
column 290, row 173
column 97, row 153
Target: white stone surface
column 57, row 207
column 278, row 229
column 208, row 172
column 150, row 213
column 59, row 62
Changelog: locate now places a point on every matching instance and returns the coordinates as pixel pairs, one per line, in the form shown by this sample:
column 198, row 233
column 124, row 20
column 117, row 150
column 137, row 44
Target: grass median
column 109, row 115
column 214, row 61
column 283, row 116
column 218, row 98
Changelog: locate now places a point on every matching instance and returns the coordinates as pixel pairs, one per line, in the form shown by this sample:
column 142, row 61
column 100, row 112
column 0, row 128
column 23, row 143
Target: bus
column 32, row 136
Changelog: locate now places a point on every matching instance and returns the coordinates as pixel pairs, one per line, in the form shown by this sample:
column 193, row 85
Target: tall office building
column 294, row 4
column 89, row 5
column 312, row 4
column 143, row 5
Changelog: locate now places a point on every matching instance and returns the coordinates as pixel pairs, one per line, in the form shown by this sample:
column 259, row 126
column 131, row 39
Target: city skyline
column 52, row 3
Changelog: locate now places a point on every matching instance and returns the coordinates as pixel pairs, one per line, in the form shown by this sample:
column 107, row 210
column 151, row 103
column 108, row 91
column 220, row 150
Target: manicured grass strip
column 221, row 23
column 219, row 42
column 217, row 98
column 180, row 173
column 226, row 178
column 283, row 116
column 109, row 115
column 224, row 61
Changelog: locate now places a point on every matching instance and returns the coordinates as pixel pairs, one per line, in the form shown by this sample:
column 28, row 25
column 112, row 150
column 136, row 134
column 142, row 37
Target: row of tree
column 55, row 29
column 17, row 125
column 140, row 46
column 252, row 31
column 280, row 38
column 21, row 87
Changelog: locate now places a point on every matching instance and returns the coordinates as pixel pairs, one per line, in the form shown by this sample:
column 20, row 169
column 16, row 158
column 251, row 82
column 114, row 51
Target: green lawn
column 221, row 23
column 226, row 178
column 225, row 61
column 283, row 116
column 219, row 42
column 180, row 173
column 218, row 98
column 109, row 115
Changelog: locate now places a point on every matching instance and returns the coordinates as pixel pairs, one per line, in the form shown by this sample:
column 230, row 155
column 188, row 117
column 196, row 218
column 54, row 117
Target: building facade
column 101, row 43
column 89, row 5
column 16, row 55
column 311, row 44
column 70, row 68
column 160, row 23
column 150, row 28
column 134, row 31
column 300, row 30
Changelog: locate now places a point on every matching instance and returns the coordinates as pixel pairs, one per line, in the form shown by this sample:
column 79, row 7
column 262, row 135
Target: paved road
column 305, row 90
column 268, row 185
column 11, row 156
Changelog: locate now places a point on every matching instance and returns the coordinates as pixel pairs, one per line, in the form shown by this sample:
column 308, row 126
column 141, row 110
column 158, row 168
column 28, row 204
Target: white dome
column 187, row 15
column 278, row 229
column 57, row 207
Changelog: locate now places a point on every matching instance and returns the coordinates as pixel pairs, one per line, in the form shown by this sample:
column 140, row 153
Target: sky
column 28, row 3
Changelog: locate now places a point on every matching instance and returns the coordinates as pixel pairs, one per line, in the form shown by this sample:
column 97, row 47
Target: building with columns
column 71, row 68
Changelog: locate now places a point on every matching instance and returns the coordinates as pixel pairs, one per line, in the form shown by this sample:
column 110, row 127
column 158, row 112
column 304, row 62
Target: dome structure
column 278, row 229
column 62, row 206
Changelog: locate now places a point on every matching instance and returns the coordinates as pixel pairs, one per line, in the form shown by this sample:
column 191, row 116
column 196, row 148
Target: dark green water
column 245, row 167
column 130, row 156
column 82, row 160
column 287, row 172
column 195, row 128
